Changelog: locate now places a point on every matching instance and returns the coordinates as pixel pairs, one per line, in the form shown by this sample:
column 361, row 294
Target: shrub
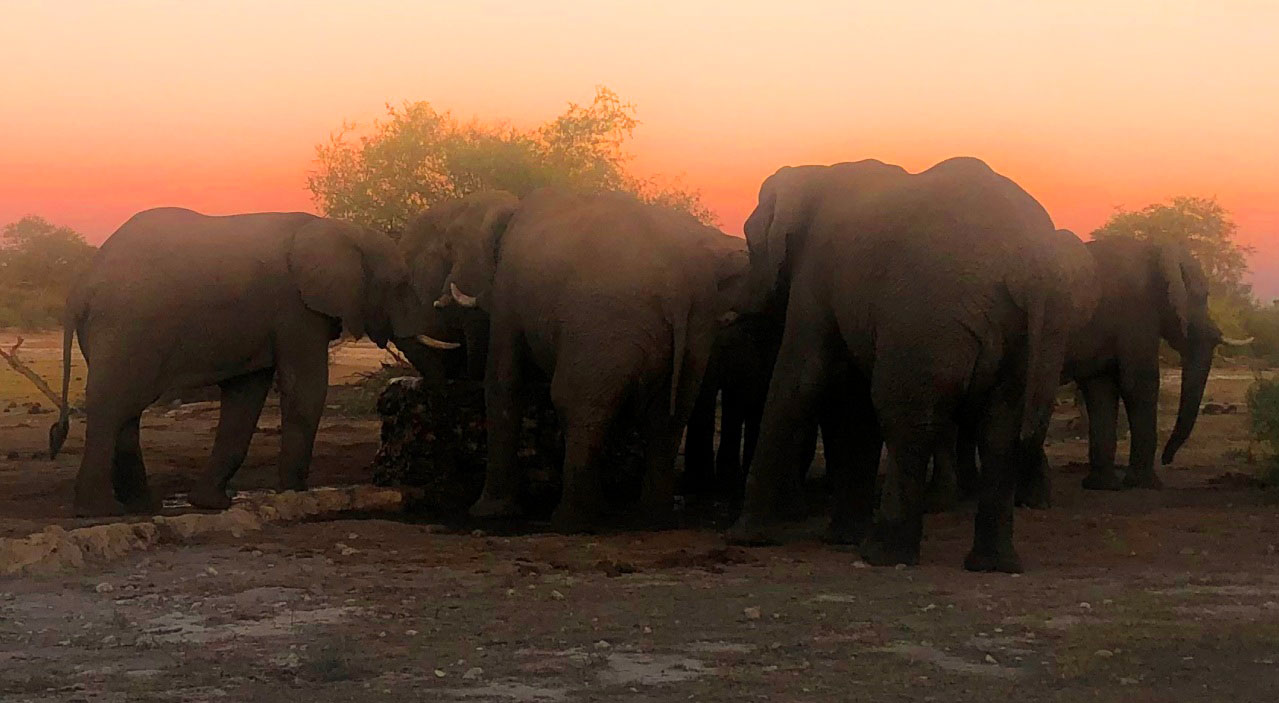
column 1263, row 409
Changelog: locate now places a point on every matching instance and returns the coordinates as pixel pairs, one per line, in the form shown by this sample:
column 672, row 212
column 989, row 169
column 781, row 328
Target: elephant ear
column 1171, row 260
column 780, row 214
column 346, row 272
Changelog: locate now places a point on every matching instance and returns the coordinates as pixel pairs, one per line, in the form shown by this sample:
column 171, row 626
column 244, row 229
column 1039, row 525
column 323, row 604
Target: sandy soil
column 1135, row 596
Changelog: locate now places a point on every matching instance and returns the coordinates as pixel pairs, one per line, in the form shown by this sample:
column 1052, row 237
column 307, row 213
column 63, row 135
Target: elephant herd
column 933, row 315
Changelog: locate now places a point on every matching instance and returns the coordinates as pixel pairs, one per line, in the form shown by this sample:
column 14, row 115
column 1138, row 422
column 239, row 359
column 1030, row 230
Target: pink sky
column 113, row 107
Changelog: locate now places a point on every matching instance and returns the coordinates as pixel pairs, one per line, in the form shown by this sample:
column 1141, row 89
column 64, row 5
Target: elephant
column 423, row 243
column 175, row 298
column 1148, row 291
column 912, row 301
column 618, row 303
column 737, row 380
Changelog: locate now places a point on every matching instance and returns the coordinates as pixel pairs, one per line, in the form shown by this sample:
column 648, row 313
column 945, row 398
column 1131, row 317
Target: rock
column 556, row 595
column 1104, row 653
column 752, row 613
column 104, row 588
column 439, row 673
column 473, row 673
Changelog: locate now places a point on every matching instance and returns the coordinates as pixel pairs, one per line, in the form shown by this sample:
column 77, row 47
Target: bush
column 1263, row 409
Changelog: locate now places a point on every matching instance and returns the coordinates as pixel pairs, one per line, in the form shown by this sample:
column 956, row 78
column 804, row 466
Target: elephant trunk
column 1196, row 363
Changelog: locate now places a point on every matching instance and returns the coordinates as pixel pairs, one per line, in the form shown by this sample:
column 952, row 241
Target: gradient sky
column 107, row 108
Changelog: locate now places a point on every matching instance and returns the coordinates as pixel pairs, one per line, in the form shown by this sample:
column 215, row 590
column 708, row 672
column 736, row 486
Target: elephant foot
column 749, row 532
column 489, row 508
column 846, row 532
column 145, row 503
column 1103, row 481
column 570, row 521
column 1148, row 481
column 1002, row 561
column 889, row 545
column 209, row 498
column 98, row 507
column 1035, row 496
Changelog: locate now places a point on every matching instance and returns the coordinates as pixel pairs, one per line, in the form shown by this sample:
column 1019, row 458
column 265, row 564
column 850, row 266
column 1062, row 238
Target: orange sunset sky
column 107, row 108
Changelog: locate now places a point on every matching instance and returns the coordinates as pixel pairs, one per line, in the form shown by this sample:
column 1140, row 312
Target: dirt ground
column 1134, row 596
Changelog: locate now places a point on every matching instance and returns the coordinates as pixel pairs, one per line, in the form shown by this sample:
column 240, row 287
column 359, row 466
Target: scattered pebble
column 411, row 633
column 752, row 613
column 991, row 660
column 104, row 588
column 1104, row 653
column 439, row 673
column 473, row 673
column 557, row 595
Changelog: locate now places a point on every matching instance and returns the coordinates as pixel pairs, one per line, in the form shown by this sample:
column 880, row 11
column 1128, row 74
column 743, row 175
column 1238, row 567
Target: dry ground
column 1137, row 596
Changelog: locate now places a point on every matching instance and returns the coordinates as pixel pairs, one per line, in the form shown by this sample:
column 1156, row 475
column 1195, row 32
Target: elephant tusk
column 466, row 301
column 444, row 302
column 1236, row 342
column 434, row 343
column 728, row 318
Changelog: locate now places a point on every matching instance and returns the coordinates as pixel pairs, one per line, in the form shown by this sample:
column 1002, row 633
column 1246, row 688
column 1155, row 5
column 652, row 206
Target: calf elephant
column 618, row 303
column 179, row 299
column 936, row 296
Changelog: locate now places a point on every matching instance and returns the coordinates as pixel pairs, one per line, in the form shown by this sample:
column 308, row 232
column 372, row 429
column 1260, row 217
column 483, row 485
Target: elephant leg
column 476, row 331
column 943, row 486
column 303, row 373
column 853, row 445
column 1034, row 482
column 967, row 474
column 1101, row 397
column 504, row 411
column 114, row 402
column 793, row 394
column 899, row 530
column 728, row 458
column 1001, row 452
column 129, row 474
column 699, row 445
column 1140, row 393
column 242, row 400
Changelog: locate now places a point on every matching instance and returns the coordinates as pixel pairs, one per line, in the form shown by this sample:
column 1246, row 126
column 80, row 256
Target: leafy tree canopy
column 38, row 263
column 1204, row 227
column 418, row 156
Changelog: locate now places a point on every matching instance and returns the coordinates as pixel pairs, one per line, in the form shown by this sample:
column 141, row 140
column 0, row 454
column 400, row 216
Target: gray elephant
column 917, row 299
column 618, row 302
column 1148, row 291
column 175, row 298
column 460, row 222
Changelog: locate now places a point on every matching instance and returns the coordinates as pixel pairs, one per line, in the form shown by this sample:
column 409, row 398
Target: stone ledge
column 55, row 548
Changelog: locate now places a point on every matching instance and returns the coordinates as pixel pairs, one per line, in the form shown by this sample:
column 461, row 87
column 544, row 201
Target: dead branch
column 11, row 356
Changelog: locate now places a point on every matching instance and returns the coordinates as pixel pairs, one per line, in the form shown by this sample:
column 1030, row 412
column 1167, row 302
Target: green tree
column 38, row 263
column 418, row 156
column 1204, row 227
column 1207, row 231
column 35, row 253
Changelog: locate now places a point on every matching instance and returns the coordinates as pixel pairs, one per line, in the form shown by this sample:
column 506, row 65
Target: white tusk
column 1236, row 342
column 466, row 301
column 434, row 343
column 728, row 318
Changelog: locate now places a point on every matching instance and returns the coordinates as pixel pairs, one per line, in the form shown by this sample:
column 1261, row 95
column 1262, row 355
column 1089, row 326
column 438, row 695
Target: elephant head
column 454, row 257
column 355, row 275
column 1188, row 328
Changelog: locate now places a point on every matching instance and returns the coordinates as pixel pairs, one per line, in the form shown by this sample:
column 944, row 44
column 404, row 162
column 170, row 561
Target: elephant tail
column 59, row 429
column 1045, row 353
